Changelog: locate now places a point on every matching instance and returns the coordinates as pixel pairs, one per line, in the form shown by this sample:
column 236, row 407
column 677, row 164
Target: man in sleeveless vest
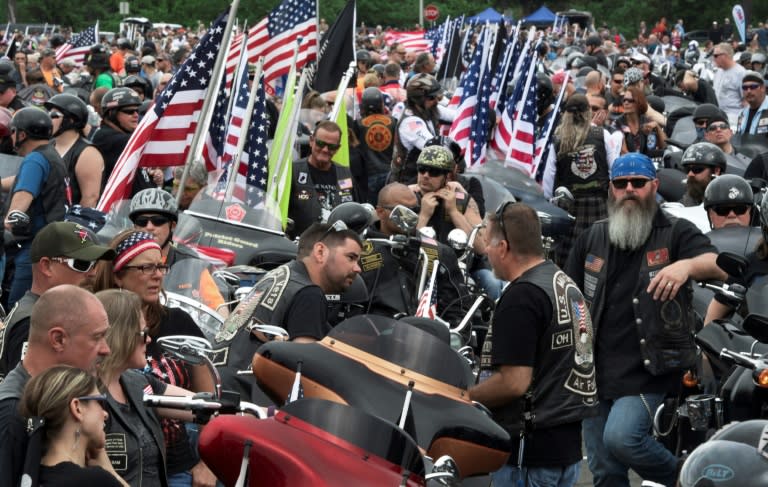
column 635, row 271
column 537, row 366
column 318, row 184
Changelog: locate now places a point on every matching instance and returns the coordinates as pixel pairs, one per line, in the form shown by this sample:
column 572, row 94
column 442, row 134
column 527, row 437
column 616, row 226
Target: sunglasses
column 331, row 147
column 636, row 183
column 130, row 111
column 77, row 265
column 432, row 171
column 701, row 122
column 157, row 220
column 618, row 81
column 337, row 226
column 144, row 334
column 718, row 126
column 750, row 87
column 54, row 115
column 726, row 210
column 101, row 398
column 149, row 269
column 500, row 217
column 695, row 169
column 627, row 100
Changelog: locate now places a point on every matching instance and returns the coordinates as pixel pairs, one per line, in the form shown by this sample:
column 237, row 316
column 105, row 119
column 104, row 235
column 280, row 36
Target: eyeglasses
column 54, row 115
column 157, row 220
column 433, row 171
column 695, row 169
column 144, row 334
column 718, row 126
column 500, row 217
column 751, row 86
column 618, row 81
column 129, row 111
column 627, row 100
column 702, row 122
column 77, row 265
column 149, row 269
column 636, row 183
column 101, row 398
column 726, row 210
column 337, row 226
column 331, row 147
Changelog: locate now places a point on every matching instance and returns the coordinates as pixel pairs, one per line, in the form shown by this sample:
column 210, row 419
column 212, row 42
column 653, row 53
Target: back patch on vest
column 583, row 163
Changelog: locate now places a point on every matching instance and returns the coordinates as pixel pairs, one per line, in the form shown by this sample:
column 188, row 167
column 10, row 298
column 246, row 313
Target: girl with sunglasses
column 139, row 267
column 66, row 446
column 641, row 133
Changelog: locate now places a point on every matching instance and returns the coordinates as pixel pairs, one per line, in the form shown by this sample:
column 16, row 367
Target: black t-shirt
column 110, row 143
column 66, row 474
column 308, row 314
column 514, row 342
column 326, row 186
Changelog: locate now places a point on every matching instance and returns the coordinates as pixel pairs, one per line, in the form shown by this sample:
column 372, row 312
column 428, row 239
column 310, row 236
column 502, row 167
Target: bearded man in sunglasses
column 635, row 271
column 753, row 119
column 61, row 253
column 701, row 162
column 318, row 183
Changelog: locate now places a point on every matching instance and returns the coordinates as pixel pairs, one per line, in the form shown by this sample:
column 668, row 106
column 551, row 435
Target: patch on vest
column 583, row 163
column 117, row 451
column 378, row 138
column 303, row 195
column 657, row 257
column 370, row 260
column 302, row 178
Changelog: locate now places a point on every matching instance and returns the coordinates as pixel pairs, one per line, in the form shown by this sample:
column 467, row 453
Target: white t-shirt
column 727, row 84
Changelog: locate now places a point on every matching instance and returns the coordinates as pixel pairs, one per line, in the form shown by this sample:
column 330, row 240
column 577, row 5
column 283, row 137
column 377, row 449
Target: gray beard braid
column 630, row 227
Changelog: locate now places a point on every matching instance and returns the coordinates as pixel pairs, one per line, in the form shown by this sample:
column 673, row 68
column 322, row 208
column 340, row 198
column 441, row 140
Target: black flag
column 336, row 50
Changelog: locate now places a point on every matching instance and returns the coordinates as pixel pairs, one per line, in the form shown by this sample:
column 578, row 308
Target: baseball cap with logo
column 68, row 239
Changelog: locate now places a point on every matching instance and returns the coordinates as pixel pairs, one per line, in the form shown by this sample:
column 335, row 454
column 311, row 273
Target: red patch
column 657, row 257
column 235, row 213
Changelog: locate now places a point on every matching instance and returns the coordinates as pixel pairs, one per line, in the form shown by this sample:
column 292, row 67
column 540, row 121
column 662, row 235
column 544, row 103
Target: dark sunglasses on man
column 636, row 183
column 433, row 171
column 726, row 210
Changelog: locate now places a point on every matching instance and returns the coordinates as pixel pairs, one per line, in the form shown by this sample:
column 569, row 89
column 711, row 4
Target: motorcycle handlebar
column 743, row 360
column 734, row 292
column 205, row 404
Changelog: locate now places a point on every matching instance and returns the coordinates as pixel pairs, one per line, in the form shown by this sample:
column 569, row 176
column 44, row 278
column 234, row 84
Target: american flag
column 411, row 41
column 427, row 307
column 275, row 37
column 214, row 139
column 522, row 145
column 164, row 134
column 481, row 124
column 504, row 129
column 78, row 46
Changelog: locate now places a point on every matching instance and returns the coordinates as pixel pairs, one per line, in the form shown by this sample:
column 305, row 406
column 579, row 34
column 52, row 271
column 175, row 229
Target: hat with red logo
column 68, row 239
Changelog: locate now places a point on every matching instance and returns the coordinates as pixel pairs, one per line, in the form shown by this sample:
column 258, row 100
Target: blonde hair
column 572, row 131
column 123, row 308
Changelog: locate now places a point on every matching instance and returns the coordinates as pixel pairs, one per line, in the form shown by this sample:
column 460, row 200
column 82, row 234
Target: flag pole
column 206, row 113
column 341, row 91
column 234, row 166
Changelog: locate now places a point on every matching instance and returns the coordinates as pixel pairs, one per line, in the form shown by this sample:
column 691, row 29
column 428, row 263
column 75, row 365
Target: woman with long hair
column 139, row 267
column 641, row 133
column 67, row 403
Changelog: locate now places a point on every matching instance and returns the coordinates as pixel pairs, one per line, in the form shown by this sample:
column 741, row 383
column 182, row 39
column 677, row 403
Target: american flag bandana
column 135, row 244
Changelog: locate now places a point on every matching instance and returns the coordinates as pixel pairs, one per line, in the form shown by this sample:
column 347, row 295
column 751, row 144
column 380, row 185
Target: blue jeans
column 490, row 283
column 619, row 438
column 181, row 479
column 510, row 476
column 22, row 275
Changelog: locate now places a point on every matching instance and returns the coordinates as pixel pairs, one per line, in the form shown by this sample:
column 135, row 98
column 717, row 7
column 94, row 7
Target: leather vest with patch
column 585, row 171
column 304, row 205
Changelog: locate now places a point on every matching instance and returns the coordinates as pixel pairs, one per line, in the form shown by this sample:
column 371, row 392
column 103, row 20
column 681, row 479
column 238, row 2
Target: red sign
column 431, row 13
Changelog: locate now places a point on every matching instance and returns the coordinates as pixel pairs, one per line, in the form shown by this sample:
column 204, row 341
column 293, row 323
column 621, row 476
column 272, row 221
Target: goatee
column 630, row 220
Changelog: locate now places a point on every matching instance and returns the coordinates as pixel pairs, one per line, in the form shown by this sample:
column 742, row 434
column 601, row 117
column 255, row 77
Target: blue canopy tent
column 542, row 16
column 488, row 15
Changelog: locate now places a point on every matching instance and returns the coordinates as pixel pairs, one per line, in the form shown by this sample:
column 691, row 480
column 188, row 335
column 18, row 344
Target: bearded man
column 635, row 271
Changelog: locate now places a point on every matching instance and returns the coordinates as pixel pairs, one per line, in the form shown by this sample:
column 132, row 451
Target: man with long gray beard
column 634, row 270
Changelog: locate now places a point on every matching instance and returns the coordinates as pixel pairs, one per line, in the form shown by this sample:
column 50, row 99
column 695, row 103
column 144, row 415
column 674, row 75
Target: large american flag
column 521, row 153
column 275, row 37
column 503, row 136
column 411, row 41
column 213, row 149
column 78, row 46
column 164, row 134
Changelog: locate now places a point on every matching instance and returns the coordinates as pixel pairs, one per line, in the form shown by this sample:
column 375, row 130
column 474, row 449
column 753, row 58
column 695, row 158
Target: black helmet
column 594, row 40
column 124, row 43
column 734, row 457
column 70, row 106
column 133, row 80
column 372, row 101
column 570, row 58
column 704, row 154
column 354, row 215
column 119, row 98
column 132, row 65
column 745, row 59
column 362, row 55
column 153, row 200
column 707, row 111
column 421, row 86
column 34, row 122
column 728, row 189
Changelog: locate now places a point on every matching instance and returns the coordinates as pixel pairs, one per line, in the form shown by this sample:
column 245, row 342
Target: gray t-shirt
column 727, row 84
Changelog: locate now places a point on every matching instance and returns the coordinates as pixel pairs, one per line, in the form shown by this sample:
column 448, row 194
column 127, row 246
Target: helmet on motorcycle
column 734, row 456
column 704, row 154
column 153, row 200
column 356, row 216
column 118, row 98
column 34, row 122
column 372, row 101
column 728, row 189
column 72, row 107
column 436, row 156
column 692, row 56
column 421, row 86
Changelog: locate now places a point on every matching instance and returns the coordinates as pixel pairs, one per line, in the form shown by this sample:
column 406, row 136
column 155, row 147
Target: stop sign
column 431, row 13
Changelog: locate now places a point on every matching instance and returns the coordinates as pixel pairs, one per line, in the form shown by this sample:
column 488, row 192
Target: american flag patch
column 414, row 125
column 148, row 389
column 345, row 183
column 593, row 263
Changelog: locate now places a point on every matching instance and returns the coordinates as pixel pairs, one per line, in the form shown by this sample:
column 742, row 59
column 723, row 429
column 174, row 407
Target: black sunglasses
column 695, row 169
column 500, row 217
column 637, row 183
column 701, row 122
column 726, row 210
column 101, row 398
column 751, row 86
column 337, row 226
column 157, row 220
column 433, row 171
column 718, row 126
column 332, row 147
column 130, row 111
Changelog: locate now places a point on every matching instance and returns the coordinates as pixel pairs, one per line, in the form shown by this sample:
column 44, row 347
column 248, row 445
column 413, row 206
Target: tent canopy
column 540, row 17
column 488, row 15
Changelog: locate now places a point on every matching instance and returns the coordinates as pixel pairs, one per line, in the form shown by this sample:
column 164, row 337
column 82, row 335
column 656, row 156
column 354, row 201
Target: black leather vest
column 440, row 220
column 304, row 205
column 70, row 161
column 52, row 194
column 666, row 329
column 377, row 142
column 585, row 171
column 20, row 312
column 563, row 387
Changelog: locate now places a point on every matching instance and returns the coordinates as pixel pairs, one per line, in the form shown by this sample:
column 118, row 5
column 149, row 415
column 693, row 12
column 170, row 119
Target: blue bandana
column 633, row 164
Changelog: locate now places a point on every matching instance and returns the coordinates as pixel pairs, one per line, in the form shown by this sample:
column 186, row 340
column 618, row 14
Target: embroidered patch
column 593, row 263
column 657, row 257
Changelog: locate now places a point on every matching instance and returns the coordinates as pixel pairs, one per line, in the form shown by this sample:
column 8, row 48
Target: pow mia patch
column 302, row 179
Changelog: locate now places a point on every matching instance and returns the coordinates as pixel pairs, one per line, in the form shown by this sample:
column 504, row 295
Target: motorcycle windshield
column 364, row 430
column 405, row 345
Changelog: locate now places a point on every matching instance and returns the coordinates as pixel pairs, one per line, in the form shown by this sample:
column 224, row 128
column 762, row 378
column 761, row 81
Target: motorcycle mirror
column 733, row 264
column 404, row 218
column 757, row 327
column 562, row 193
column 190, row 349
column 458, row 239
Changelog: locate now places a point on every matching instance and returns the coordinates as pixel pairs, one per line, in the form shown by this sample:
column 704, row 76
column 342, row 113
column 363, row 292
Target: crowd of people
column 582, row 356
